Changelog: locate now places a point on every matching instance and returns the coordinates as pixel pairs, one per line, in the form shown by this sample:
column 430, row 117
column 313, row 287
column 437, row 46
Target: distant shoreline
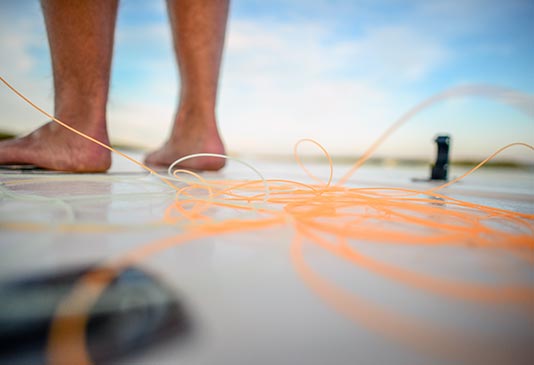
column 345, row 159
column 390, row 162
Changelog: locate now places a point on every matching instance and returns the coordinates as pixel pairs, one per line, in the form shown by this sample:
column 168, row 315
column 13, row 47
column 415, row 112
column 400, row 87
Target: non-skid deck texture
column 244, row 298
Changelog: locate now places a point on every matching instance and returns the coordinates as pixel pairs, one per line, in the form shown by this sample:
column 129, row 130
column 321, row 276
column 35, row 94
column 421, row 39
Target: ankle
column 77, row 107
column 196, row 103
column 194, row 120
column 82, row 117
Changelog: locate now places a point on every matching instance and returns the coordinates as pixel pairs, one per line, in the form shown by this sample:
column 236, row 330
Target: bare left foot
column 192, row 133
column 54, row 147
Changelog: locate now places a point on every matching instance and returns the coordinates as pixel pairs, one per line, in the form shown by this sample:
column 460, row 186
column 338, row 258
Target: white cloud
column 17, row 37
column 399, row 52
column 285, row 82
column 21, row 39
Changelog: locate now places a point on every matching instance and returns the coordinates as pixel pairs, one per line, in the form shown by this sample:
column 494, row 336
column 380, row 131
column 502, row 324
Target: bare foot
column 56, row 148
column 191, row 134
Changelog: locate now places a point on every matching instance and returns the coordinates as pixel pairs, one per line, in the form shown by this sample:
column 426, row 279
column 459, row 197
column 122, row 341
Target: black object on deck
column 441, row 167
column 135, row 311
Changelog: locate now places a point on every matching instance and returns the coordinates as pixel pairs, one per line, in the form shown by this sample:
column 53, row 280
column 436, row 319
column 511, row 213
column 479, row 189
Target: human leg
column 198, row 28
column 80, row 35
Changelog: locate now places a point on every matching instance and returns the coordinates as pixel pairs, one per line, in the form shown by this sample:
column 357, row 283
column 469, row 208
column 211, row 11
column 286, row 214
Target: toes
column 153, row 158
column 13, row 151
column 54, row 157
column 160, row 158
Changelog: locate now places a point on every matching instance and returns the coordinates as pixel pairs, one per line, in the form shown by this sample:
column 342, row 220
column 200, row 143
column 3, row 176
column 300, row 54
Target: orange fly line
column 330, row 216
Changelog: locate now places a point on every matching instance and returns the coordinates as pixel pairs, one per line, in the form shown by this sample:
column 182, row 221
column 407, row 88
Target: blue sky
column 337, row 71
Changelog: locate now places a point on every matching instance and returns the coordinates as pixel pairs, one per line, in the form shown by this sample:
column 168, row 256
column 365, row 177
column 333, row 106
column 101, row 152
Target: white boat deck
column 245, row 298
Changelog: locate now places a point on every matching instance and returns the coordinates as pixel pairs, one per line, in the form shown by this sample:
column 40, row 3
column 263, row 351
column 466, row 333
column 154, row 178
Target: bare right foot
column 54, row 147
column 193, row 132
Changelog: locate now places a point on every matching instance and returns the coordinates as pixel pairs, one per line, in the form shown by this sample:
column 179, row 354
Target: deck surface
column 246, row 300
